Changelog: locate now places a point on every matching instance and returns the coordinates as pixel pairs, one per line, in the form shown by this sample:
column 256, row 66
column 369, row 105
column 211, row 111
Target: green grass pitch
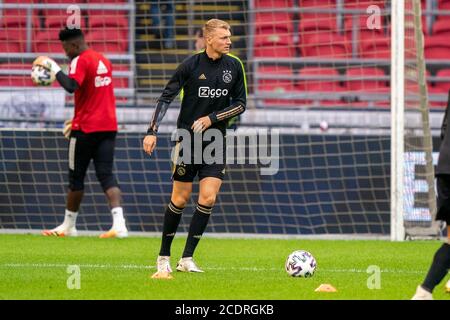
column 36, row 267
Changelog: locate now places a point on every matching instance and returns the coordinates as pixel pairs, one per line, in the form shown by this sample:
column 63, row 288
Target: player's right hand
column 149, row 143
column 47, row 63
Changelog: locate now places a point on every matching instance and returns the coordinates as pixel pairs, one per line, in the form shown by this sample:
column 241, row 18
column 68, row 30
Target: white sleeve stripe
column 73, row 65
column 72, row 144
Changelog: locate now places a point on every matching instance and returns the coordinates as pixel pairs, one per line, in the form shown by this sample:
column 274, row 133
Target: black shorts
column 98, row 146
column 443, row 198
column 186, row 172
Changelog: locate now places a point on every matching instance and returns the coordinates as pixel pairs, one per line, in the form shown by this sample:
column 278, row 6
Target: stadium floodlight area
column 349, row 112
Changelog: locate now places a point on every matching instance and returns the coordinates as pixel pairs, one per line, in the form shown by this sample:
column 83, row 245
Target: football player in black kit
column 441, row 260
column 214, row 91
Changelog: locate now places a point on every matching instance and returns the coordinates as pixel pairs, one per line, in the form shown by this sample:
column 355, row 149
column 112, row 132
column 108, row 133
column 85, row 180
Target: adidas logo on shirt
column 101, row 69
column 202, row 77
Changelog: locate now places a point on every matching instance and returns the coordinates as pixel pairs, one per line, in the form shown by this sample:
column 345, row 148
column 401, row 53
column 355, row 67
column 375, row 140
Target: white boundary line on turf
column 133, row 266
column 225, row 235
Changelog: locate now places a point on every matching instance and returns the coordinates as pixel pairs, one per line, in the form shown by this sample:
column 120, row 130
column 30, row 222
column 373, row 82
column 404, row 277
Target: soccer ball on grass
column 301, row 263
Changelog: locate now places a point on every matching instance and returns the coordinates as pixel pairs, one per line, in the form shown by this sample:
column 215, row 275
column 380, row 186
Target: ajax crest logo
column 227, row 76
column 181, row 171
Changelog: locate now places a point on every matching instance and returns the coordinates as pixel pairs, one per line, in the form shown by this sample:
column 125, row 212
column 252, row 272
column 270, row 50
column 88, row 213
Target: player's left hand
column 201, row 124
column 149, row 144
column 67, row 128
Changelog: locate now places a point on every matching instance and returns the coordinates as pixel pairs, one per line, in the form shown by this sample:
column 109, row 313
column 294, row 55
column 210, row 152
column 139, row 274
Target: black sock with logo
column 172, row 219
column 198, row 225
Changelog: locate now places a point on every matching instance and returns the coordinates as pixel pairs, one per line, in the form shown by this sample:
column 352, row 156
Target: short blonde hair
column 213, row 24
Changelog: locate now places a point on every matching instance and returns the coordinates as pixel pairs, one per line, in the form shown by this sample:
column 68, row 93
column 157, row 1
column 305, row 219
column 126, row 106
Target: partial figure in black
column 214, row 91
column 441, row 260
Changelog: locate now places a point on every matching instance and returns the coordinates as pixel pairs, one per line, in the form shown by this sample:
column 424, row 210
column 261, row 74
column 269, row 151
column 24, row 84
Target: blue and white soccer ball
column 42, row 76
column 301, row 263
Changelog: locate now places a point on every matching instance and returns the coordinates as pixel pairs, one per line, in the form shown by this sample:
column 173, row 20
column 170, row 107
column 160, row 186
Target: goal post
column 434, row 227
column 397, row 119
column 411, row 131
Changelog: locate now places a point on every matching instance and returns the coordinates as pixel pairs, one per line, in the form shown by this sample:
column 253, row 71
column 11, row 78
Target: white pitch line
column 133, row 266
column 62, row 265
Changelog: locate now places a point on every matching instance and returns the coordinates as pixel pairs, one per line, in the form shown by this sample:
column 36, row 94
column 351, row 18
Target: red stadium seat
column 107, row 40
column 61, row 12
column 443, row 86
column 325, row 80
column 115, row 21
column 444, row 5
column 363, row 31
column 274, row 3
column 109, row 1
column 268, row 44
column 109, row 21
column 366, row 80
column 10, row 46
column 102, row 18
column 309, row 27
column 21, row 66
column 120, row 81
column 326, row 45
column 437, row 91
column 59, row 22
column 437, row 47
column 14, row 39
column 368, row 37
column 16, row 13
column 319, row 17
column 363, row 4
column 21, row 1
column 276, row 86
column 317, row 4
column 12, row 18
column 117, row 24
column 13, row 28
column 376, row 48
column 275, row 71
column 274, row 52
column 58, row 18
column 441, row 27
column 13, row 80
column 13, row 34
column 48, row 41
column 274, row 21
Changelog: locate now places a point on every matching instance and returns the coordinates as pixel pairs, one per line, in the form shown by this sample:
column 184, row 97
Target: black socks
column 198, row 225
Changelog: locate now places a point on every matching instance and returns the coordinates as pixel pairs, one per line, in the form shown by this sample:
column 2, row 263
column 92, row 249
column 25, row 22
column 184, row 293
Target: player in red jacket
column 91, row 132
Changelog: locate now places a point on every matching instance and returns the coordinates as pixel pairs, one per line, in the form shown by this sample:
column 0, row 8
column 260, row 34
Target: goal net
column 317, row 151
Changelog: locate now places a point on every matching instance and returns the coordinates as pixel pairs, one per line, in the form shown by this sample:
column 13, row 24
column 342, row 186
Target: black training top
column 214, row 88
column 443, row 165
